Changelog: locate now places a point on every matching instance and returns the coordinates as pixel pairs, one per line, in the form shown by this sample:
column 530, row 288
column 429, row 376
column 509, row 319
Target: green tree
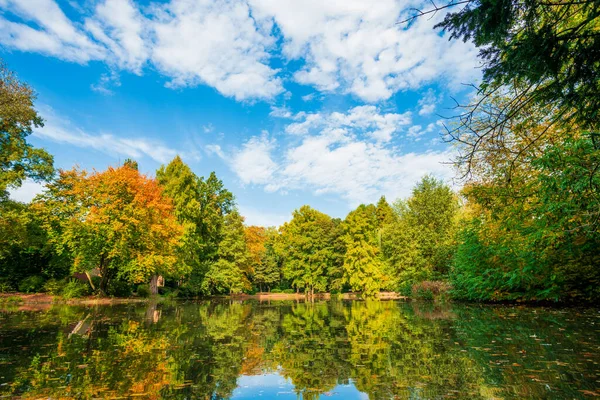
column 419, row 246
column 200, row 206
column 549, row 48
column 364, row 269
column 307, row 242
column 18, row 159
column 229, row 274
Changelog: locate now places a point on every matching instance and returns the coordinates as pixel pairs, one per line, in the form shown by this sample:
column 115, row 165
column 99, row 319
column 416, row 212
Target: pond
column 291, row 350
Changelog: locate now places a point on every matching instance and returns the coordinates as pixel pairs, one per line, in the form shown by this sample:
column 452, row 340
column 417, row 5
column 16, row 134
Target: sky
column 327, row 103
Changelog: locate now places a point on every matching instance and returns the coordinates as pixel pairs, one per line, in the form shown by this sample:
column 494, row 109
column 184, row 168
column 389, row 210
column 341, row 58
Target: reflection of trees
column 313, row 348
column 198, row 350
column 396, row 355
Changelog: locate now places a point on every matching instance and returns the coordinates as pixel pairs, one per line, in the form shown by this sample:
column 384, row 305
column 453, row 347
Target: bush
column 431, row 290
column 6, row 287
column 143, row 290
column 276, row 290
column 31, row 284
column 119, row 288
column 54, row 286
column 288, row 291
column 74, row 289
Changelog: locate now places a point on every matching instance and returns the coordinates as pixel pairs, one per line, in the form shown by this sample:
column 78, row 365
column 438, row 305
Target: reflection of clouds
column 276, row 386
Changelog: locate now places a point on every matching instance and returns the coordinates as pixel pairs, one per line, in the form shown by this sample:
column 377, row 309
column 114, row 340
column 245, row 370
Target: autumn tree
column 118, row 221
column 19, row 159
column 266, row 268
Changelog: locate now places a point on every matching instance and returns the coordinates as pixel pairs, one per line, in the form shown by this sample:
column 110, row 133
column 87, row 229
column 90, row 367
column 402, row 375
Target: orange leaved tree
column 117, row 221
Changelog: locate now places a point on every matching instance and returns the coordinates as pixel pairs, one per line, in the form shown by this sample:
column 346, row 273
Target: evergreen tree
column 363, row 266
column 229, row 274
column 307, row 242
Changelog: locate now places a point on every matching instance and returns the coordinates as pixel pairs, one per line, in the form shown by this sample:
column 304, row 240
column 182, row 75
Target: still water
column 289, row 350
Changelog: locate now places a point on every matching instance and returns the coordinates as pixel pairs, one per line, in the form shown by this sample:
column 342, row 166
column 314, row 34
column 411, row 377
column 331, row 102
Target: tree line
column 525, row 225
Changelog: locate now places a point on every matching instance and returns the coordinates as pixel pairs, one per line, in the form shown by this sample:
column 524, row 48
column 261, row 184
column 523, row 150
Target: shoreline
column 26, row 299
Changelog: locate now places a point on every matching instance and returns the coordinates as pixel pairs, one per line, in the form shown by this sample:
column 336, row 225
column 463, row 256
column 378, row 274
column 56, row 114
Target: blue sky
column 330, row 104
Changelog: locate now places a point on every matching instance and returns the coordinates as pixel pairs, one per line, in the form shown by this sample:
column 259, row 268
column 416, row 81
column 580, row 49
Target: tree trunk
column 104, row 275
column 154, row 285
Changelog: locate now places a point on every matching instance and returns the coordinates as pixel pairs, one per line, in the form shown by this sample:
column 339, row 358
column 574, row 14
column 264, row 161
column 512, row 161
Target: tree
column 307, row 242
column 363, row 267
column 229, row 274
column 265, row 262
column 549, row 48
column 118, row 221
column 200, row 206
column 385, row 213
column 419, row 245
column 536, row 239
column 18, row 159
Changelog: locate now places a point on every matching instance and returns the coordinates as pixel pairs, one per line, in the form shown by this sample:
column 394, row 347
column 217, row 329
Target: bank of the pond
column 320, row 296
column 41, row 299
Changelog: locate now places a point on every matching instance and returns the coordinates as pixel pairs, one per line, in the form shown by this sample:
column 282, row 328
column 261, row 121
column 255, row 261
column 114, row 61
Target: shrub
column 431, row 290
column 288, row 291
column 276, row 290
column 6, row 287
column 54, row 286
column 143, row 290
column 119, row 288
column 74, row 289
column 31, row 284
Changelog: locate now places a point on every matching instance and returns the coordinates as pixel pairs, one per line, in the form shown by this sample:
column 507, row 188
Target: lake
column 290, row 350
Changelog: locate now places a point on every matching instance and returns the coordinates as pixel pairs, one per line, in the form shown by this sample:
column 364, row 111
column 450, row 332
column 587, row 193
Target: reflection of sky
column 275, row 386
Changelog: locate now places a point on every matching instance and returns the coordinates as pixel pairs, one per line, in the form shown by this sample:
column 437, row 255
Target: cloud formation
column 340, row 154
column 349, row 47
column 60, row 130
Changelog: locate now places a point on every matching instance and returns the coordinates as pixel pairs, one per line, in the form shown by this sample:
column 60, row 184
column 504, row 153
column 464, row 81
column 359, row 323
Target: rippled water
column 288, row 350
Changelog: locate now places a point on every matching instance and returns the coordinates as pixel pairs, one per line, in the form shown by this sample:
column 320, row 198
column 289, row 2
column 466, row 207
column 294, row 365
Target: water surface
column 289, row 350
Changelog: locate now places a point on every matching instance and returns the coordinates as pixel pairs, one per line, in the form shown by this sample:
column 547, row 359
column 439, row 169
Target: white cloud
column 358, row 47
column 55, row 34
column 253, row 163
column 363, row 120
column 340, row 154
column 27, row 191
column 215, row 149
column 349, row 46
column 216, row 43
column 120, row 26
column 357, row 170
column 62, row 131
column 428, row 103
column 257, row 217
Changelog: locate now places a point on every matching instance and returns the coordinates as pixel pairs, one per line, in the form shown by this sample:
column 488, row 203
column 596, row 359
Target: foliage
column 307, row 248
column 117, row 221
column 543, row 246
column 363, row 267
column 75, row 289
column 431, row 290
column 229, row 274
column 18, row 159
column 419, row 245
column 143, row 290
column 31, row 284
column 54, row 286
column 550, row 49
column 266, row 262
column 200, row 206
